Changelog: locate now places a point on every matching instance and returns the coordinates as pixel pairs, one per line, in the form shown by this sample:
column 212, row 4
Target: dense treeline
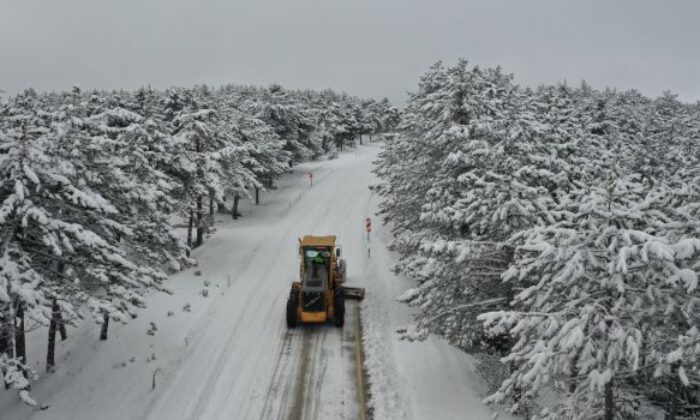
column 558, row 228
column 92, row 182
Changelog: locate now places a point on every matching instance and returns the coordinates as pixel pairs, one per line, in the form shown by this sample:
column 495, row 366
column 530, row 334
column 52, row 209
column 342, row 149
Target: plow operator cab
column 319, row 295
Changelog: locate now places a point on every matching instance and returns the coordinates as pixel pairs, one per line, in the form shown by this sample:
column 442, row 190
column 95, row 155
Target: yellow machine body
column 319, row 295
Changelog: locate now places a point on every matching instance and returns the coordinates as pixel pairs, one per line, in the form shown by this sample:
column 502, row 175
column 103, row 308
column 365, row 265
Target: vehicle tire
column 292, row 309
column 339, row 308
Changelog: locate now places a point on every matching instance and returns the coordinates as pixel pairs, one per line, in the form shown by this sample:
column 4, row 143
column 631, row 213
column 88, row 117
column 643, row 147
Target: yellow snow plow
column 319, row 295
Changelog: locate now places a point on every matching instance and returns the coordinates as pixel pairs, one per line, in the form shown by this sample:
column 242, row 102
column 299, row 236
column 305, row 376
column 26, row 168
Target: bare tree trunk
column 210, row 222
column 257, row 196
column 3, row 346
column 574, row 371
column 61, row 325
column 9, row 329
column 200, row 222
column 10, row 317
column 609, row 403
column 20, row 340
column 189, row 233
column 221, row 206
column 234, row 209
column 59, row 318
column 200, row 215
column 56, row 323
column 3, row 338
column 643, row 347
column 672, row 412
column 105, row 327
column 51, row 351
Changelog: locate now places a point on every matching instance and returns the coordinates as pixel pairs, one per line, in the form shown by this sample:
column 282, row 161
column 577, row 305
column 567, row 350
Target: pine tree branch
column 460, row 307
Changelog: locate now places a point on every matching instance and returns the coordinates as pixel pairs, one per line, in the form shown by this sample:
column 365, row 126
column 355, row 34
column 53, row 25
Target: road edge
column 359, row 366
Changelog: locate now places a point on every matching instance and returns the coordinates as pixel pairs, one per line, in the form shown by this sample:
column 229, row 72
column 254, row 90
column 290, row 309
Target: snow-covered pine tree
column 590, row 283
column 619, row 217
column 235, row 159
column 501, row 176
column 194, row 126
column 333, row 128
column 58, row 236
column 107, row 157
column 677, row 198
column 288, row 119
column 18, row 279
column 383, row 117
column 406, row 165
column 557, row 166
column 444, row 285
column 266, row 157
column 139, row 186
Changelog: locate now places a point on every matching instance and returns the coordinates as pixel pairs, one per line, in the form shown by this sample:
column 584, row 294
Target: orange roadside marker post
column 368, row 228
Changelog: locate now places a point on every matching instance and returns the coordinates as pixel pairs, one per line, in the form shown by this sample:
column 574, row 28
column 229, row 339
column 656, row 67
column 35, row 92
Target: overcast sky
column 364, row 47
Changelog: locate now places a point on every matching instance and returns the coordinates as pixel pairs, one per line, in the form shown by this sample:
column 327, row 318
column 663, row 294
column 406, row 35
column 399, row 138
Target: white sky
column 364, row 47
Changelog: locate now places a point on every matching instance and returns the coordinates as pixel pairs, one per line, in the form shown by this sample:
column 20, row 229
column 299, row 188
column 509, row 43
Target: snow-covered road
column 232, row 356
column 242, row 362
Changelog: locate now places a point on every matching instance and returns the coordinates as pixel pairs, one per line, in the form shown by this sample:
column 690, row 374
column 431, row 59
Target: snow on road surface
column 230, row 355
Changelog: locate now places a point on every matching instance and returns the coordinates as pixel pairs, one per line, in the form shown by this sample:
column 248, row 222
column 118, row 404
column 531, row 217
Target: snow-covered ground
column 230, row 355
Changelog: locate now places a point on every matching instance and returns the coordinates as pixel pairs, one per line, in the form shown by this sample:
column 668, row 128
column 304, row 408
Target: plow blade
column 357, row 293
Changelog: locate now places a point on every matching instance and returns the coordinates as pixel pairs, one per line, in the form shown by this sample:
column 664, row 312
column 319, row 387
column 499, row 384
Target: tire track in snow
column 216, row 368
column 225, row 354
column 285, row 374
column 251, row 308
column 318, row 368
column 296, row 411
column 317, row 362
column 275, row 389
column 307, row 373
column 193, row 347
column 312, row 386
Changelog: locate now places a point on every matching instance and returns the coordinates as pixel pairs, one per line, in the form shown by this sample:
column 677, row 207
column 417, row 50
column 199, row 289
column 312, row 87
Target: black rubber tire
column 339, row 320
column 292, row 310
